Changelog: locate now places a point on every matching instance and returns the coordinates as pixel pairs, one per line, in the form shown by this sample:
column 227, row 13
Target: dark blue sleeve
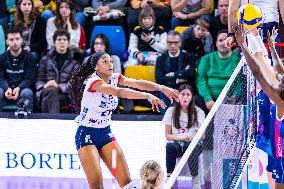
column 264, row 113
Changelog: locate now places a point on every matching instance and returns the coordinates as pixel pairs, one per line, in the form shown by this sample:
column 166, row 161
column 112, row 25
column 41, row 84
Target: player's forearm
column 147, row 85
column 251, row 61
column 232, row 14
column 131, row 94
column 277, row 63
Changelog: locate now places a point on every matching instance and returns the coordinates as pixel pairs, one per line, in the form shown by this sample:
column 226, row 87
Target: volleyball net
column 226, row 137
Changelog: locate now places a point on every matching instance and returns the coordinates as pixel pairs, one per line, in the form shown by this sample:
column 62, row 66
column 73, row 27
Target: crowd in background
column 52, row 38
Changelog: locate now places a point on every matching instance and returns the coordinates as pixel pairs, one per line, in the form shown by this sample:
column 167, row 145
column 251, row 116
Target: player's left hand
column 172, row 94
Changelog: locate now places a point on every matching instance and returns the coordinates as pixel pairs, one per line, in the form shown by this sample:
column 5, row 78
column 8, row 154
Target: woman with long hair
column 94, row 94
column 64, row 19
column 152, row 175
column 101, row 43
column 33, row 27
column 181, row 124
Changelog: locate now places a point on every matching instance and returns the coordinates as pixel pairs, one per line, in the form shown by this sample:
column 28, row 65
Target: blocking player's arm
column 269, row 88
column 277, row 62
column 234, row 6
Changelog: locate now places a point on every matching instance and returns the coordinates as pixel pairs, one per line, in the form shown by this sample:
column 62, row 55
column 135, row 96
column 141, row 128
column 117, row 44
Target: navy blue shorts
column 93, row 136
column 276, row 166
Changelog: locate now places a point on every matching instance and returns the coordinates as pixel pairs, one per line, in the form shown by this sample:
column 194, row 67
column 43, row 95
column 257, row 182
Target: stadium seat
column 116, row 38
column 11, row 7
column 180, row 29
column 2, row 40
column 140, row 72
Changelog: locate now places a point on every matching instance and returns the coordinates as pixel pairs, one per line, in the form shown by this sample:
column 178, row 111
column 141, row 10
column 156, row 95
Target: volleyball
column 249, row 15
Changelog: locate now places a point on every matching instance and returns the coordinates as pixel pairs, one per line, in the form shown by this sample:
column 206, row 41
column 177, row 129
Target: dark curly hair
column 78, row 77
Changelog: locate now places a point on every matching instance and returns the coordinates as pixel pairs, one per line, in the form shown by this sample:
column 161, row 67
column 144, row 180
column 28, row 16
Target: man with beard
column 215, row 69
column 17, row 72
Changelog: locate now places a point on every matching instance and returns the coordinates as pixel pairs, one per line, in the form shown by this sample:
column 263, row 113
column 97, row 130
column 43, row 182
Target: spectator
column 101, row 43
column 219, row 22
column 17, row 72
column 151, row 175
column 186, row 11
column 33, row 28
column 104, row 7
column 147, row 41
column 196, row 39
column 53, row 74
column 182, row 123
column 3, row 13
column 215, row 69
column 161, row 8
column 176, row 67
column 64, row 19
column 47, row 8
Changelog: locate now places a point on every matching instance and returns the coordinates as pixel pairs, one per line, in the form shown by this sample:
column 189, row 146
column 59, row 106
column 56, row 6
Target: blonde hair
column 149, row 174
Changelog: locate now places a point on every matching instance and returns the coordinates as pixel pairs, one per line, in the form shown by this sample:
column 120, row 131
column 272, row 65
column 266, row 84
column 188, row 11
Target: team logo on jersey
column 231, row 131
column 103, row 104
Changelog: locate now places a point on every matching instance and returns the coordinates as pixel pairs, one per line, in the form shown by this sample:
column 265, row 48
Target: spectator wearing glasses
column 176, row 67
column 54, row 71
column 101, row 43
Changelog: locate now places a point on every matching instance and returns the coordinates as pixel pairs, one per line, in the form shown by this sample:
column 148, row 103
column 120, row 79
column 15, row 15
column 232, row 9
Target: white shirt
column 269, row 9
column 96, row 108
column 183, row 120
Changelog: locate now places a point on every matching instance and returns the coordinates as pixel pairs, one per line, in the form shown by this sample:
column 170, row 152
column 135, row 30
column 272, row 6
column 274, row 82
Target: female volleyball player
column 152, row 175
column 273, row 85
column 96, row 101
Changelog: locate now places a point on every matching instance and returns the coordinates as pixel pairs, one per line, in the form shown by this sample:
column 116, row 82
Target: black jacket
column 38, row 38
column 17, row 71
column 48, row 71
column 163, row 67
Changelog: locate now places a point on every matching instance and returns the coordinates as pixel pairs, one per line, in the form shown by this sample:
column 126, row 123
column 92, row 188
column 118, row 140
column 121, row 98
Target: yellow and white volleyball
column 249, row 15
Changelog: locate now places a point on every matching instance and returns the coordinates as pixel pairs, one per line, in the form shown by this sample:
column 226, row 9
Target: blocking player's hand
column 156, row 102
column 172, row 94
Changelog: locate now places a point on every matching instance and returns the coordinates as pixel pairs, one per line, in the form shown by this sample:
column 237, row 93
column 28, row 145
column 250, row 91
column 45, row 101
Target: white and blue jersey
column 96, row 108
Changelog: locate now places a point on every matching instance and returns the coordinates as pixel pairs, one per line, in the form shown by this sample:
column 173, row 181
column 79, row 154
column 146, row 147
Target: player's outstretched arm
column 277, row 63
column 269, row 88
column 172, row 94
column 103, row 87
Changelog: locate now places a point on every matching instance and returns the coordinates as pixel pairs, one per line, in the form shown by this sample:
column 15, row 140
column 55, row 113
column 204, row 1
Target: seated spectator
column 17, row 72
column 54, row 71
column 196, row 39
column 176, row 67
column 186, row 11
column 215, row 69
column 101, row 43
column 64, row 19
column 146, row 42
column 219, row 22
column 33, row 28
column 182, row 123
column 47, row 8
column 152, row 175
column 104, row 8
column 4, row 19
column 161, row 8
